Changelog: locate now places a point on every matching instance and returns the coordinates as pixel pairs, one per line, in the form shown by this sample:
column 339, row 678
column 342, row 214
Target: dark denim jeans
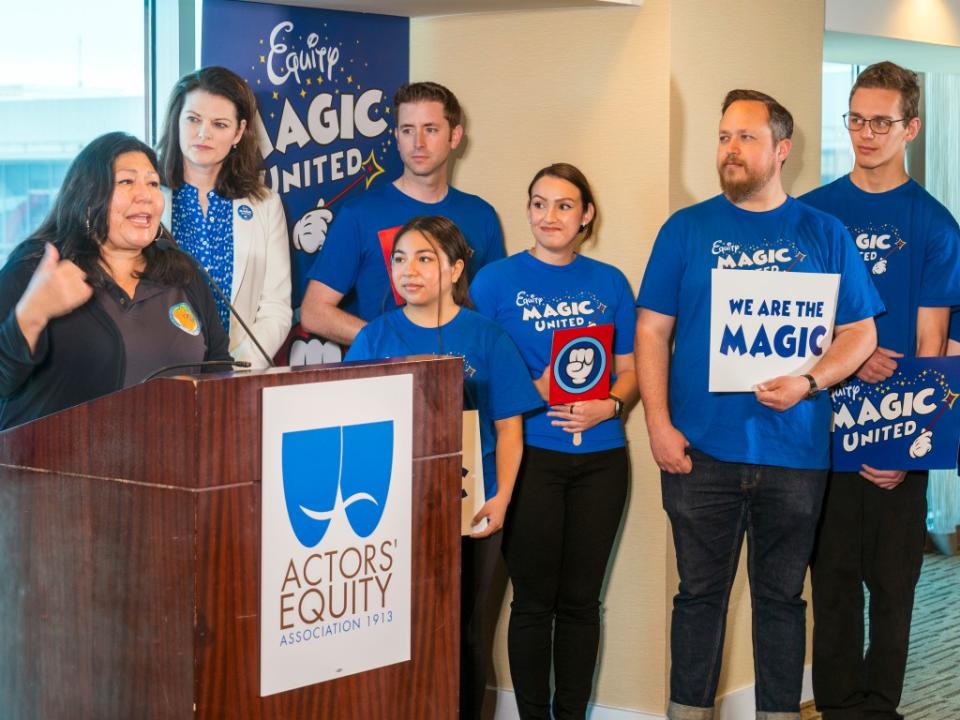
column 710, row 510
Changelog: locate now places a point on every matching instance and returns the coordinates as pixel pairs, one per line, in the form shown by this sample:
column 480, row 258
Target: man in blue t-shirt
column 350, row 279
column 874, row 522
column 735, row 463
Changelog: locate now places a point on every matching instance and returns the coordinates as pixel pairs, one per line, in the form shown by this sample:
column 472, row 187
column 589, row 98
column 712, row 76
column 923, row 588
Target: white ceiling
column 416, row 8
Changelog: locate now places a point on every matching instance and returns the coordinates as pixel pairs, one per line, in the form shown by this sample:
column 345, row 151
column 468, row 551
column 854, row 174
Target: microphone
column 201, row 364
column 166, row 243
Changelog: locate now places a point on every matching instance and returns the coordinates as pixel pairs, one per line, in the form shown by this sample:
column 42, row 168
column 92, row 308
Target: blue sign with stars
column 324, row 82
column 910, row 421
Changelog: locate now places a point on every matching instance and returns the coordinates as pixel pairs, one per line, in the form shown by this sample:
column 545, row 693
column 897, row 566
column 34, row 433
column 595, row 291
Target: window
column 65, row 78
column 836, row 155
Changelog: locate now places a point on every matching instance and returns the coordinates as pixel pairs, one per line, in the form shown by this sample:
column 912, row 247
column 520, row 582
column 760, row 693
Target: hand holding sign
column 580, row 379
column 879, row 366
column 579, row 365
column 883, row 479
column 782, row 393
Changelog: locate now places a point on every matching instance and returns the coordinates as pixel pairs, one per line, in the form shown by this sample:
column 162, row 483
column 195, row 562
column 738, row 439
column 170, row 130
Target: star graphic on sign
column 951, row 398
column 263, row 58
column 309, row 81
column 372, row 167
column 801, row 257
column 261, row 41
column 303, row 93
column 349, row 78
column 900, row 244
column 276, row 95
column 387, row 109
column 319, row 79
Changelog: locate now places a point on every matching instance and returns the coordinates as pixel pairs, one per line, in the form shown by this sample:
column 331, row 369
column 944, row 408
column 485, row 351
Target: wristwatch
column 814, row 388
column 617, row 406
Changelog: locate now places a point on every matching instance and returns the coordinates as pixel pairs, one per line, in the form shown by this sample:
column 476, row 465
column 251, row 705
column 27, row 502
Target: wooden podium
column 130, row 556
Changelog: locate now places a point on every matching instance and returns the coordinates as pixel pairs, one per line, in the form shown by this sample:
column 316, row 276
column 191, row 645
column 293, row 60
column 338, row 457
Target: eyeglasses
column 879, row 125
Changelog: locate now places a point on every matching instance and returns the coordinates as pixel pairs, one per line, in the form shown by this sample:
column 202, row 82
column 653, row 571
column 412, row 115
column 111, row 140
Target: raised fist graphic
column 579, row 365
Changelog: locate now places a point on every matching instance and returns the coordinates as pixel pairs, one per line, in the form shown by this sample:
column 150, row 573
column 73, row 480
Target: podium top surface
column 199, row 432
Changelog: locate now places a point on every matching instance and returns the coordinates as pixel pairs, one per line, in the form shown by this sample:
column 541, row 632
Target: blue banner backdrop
column 910, row 421
column 324, row 82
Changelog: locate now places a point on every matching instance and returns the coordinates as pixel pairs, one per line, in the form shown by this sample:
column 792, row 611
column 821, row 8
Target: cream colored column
column 631, row 96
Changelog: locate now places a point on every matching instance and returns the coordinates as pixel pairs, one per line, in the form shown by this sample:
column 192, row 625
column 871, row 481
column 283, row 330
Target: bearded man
column 743, row 463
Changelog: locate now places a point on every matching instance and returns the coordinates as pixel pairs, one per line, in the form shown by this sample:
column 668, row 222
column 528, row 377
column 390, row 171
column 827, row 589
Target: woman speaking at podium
column 90, row 303
column 222, row 213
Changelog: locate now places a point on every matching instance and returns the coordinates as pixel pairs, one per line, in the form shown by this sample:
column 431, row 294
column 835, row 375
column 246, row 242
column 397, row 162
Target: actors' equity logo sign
column 336, row 539
column 907, row 422
column 337, row 470
column 763, row 325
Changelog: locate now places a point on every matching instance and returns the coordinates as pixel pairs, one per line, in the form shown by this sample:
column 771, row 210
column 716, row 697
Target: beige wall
column 780, row 50
column 927, row 21
column 631, row 95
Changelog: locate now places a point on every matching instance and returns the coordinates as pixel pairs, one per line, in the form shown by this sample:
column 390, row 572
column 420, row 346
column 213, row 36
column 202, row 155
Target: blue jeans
column 710, row 510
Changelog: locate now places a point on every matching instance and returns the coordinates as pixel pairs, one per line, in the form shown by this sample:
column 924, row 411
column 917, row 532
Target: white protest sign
column 767, row 324
column 472, row 496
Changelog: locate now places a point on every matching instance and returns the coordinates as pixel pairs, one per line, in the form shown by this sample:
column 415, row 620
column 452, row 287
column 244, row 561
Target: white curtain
column 942, row 128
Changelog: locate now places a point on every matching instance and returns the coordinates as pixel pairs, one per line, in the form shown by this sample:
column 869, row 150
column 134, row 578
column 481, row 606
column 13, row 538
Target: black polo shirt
column 158, row 327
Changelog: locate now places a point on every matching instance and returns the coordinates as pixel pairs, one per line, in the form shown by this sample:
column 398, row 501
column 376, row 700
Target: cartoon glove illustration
column 311, row 230
column 922, row 444
column 580, row 364
column 880, row 267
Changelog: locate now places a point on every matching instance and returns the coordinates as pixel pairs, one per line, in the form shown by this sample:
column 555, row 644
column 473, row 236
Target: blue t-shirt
column 355, row 256
column 910, row 245
column 794, row 237
column 495, row 381
column 208, row 238
column 531, row 299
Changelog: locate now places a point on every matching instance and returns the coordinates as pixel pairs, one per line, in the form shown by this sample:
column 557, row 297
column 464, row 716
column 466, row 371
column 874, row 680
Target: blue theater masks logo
column 337, row 470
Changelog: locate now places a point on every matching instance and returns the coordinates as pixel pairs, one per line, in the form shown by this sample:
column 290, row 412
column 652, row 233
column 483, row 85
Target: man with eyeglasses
column 874, row 523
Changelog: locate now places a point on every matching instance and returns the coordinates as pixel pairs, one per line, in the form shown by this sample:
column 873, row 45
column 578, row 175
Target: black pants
column 559, row 532
column 479, row 560
column 875, row 537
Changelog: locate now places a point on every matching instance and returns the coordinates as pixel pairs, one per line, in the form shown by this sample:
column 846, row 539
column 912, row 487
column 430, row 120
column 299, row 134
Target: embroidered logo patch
column 183, row 317
column 245, row 212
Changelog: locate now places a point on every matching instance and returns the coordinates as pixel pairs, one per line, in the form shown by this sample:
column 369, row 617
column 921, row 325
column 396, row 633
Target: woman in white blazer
column 221, row 212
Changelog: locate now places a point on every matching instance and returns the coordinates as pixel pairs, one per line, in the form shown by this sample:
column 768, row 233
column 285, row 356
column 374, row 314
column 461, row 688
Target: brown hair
column 445, row 237
column 572, row 174
column 239, row 175
column 889, row 76
column 430, row 92
column 780, row 119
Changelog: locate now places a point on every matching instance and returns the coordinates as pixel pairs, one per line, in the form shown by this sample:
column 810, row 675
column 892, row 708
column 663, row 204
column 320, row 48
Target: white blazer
column 261, row 275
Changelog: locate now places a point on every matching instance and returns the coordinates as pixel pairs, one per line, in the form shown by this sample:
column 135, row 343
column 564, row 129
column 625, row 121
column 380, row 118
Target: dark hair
column 780, row 119
column 78, row 221
column 445, row 237
column 572, row 174
column 889, row 76
column 430, row 92
column 239, row 175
